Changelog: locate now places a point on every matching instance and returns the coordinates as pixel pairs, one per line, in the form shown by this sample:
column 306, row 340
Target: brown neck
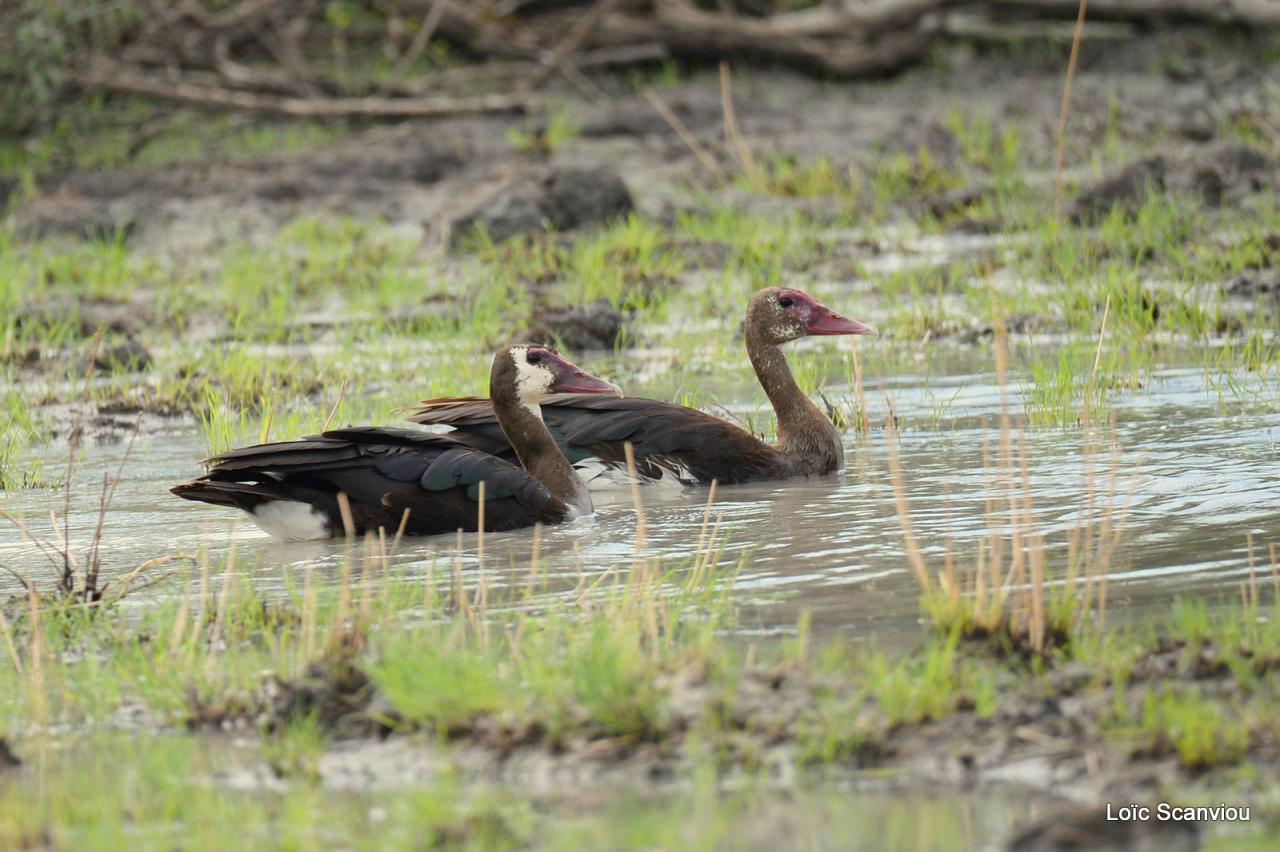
column 538, row 452
column 804, row 432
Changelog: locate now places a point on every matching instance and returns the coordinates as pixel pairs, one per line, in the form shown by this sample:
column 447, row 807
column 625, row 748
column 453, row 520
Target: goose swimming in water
column 691, row 445
column 290, row 489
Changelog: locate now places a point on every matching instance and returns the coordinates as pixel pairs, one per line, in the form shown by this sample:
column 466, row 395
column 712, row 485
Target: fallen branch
column 106, row 75
column 823, row 43
column 266, row 55
column 1262, row 13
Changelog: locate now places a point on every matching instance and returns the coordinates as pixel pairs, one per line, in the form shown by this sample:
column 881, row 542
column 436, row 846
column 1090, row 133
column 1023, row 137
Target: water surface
column 1190, row 480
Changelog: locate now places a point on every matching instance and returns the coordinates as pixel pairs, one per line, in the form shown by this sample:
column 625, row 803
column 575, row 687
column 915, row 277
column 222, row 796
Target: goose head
column 529, row 372
column 782, row 314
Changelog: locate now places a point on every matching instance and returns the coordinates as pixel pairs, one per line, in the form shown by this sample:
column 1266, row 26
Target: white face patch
column 533, row 381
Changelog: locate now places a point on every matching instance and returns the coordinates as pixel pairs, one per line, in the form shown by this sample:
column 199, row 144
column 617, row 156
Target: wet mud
column 1055, row 733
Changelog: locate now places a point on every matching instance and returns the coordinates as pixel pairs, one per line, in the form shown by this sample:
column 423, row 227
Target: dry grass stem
column 342, row 392
column 1066, row 109
column 733, row 135
column 703, row 156
column 915, row 559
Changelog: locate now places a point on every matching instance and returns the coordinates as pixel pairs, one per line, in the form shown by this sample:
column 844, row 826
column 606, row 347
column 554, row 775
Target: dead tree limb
column 849, row 19
column 106, row 75
column 242, row 14
column 1261, row 13
column 253, row 54
column 801, row 39
column 240, row 76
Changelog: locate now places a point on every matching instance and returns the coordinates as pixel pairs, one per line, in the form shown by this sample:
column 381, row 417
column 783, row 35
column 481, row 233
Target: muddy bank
column 900, row 194
column 1190, row 118
column 1089, row 733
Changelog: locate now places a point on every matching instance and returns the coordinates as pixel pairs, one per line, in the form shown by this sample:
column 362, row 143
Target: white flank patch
column 600, row 477
column 291, row 520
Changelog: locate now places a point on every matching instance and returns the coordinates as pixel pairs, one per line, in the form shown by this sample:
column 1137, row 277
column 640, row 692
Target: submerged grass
column 1007, row 593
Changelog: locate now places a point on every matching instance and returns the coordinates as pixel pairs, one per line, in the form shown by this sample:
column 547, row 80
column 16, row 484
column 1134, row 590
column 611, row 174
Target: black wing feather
column 383, row 472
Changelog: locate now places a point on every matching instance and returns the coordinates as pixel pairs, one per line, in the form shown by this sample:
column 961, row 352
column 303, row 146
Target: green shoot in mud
column 1194, row 729
column 19, row 429
column 982, row 146
column 786, row 177
column 546, row 138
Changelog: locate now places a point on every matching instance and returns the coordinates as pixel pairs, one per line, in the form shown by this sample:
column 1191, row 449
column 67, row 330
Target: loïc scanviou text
column 1165, row 812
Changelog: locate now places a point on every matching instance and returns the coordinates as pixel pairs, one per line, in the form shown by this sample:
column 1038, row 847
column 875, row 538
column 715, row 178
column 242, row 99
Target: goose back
column 690, row 445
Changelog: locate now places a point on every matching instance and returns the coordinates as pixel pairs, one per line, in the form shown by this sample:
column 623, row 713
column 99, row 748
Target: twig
column 915, row 558
column 404, row 523
column 51, row 553
column 337, row 402
column 1097, row 362
column 64, row 547
column 109, row 486
column 571, row 41
column 535, row 560
column 237, row 16
column 831, row 41
column 641, row 530
column 145, row 133
column 241, row 76
column 73, row 447
column 421, row 39
column 124, row 582
column 649, row 51
column 683, row 132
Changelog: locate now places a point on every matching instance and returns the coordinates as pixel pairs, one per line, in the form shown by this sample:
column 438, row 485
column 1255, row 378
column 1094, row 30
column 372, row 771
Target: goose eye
column 786, row 301
column 532, row 358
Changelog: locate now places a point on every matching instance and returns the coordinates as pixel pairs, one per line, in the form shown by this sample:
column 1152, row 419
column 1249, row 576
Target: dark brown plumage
column 291, row 488
column 691, row 445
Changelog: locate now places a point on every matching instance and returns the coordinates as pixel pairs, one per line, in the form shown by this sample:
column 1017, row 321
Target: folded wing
column 383, row 472
column 690, row 445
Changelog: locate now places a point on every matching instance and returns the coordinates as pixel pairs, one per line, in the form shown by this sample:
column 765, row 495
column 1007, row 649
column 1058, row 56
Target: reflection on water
column 1196, row 483
column 851, row 818
column 94, row 785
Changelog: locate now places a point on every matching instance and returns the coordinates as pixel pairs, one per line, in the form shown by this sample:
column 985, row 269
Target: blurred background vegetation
column 407, row 58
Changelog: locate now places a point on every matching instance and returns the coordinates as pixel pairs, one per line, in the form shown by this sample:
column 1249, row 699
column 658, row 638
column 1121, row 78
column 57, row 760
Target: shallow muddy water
column 1189, row 480
column 841, row 810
